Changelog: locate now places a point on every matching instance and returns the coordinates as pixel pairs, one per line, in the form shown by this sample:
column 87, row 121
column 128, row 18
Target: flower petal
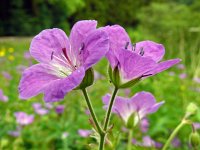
column 133, row 65
column 48, row 41
column 118, row 39
column 163, row 66
column 57, row 90
column 142, row 100
column 151, row 49
column 34, row 79
column 79, row 32
column 155, row 107
column 96, row 46
column 120, row 106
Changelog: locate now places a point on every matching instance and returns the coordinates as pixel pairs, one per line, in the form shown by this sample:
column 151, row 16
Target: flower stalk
column 89, row 104
column 174, row 133
column 108, row 113
column 130, row 135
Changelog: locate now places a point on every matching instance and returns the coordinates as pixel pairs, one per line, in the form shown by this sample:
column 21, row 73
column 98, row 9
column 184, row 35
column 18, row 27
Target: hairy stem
column 108, row 113
column 89, row 104
column 183, row 122
column 107, row 119
column 130, row 135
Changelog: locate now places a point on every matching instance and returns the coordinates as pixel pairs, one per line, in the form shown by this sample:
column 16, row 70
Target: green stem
column 130, row 135
column 102, row 140
column 183, row 122
column 99, row 129
column 107, row 119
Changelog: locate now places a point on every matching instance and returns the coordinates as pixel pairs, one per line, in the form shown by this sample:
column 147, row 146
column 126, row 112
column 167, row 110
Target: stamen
column 65, row 53
column 52, row 55
column 146, row 75
column 63, row 72
column 142, row 51
column 126, row 46
column 133, row 46
column 66, row 56
column 81, row 48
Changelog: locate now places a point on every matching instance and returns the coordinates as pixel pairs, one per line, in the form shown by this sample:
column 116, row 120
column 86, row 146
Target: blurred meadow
column 175, row 24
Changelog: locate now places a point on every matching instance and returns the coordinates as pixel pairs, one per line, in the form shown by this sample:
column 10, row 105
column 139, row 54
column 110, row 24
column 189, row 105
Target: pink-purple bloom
column 60, row 109
column 183, row 76
column 147, row 141
column 7, row 75
column 23, row 118
column 62, row 61
column 196, row 79
column 15, row 133
column 181, row 66
column 39, row 109
column 144, row 125
column 137, row 60
column 84, row 133
column 3, row 97
column 140, row 104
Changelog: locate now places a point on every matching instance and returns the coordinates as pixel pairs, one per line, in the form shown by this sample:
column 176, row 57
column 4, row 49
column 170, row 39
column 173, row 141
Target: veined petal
column 150, row 49
column 34, row 79
column 96, row 46
column 48, row 42
column 163, row 66
column 142, row 100
column 57, row 90
column 120, row 106
column 79, row 32
column 118, row 39
column 133, row 65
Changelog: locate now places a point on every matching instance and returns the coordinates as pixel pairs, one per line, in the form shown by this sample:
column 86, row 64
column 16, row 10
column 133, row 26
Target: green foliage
column 31, row 16
column 111, row 12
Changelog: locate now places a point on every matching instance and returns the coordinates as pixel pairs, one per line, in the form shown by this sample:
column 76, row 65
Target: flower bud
column 87, row 80
column 130, row 122
column 191, row 109
column 114, row 76
column 194, row 139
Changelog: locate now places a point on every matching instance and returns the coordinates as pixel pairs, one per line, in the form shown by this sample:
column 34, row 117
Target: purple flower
column 63, row 60
column 87, row 111
column 84, row 133
column 24, row 119
column 149, row 142
column 3, row 97
column 140, row 104
column 196, row 125
column 39, row 110
column 144, row 125
column 48, row 105
column 27, row 55
column 181, row 66
column 176, row 142
column 15, row 133
column 59, row 109
column 183, row 76
column 196, row 79
column 135, row 61
column 20, row 68
column 36, row 105
column 6, row 75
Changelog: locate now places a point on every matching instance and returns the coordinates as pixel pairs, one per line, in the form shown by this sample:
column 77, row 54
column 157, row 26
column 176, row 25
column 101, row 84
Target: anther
column 142, row 51
column 126, row 46
column 52, row 55
column 81, row 48
column 133, row 46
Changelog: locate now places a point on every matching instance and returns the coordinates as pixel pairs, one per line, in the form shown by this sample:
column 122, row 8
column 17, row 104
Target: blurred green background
column 174, row 23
